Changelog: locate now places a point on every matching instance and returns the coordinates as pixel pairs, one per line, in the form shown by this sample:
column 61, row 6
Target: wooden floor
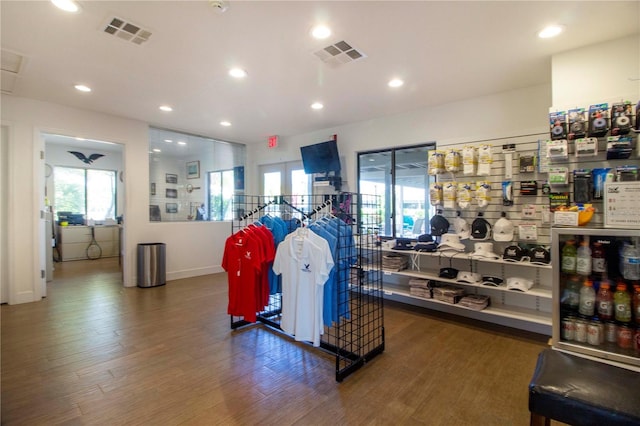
column 94, row 352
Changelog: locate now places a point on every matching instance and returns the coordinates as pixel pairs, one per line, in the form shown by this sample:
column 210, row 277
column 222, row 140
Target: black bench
column 579, row 391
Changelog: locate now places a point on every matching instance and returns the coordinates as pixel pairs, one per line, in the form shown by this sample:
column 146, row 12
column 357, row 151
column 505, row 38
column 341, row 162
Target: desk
column 73, row 241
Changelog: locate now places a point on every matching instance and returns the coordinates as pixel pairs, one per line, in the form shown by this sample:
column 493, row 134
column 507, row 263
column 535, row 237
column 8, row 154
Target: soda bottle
column 598, row 260
column 587, row 299
column 583, row 259
column 622, row 303
column 569, row 257
column 604, row 301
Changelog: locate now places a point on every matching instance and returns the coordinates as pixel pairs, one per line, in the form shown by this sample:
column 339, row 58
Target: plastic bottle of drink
column 598, row 260
column 571, row 294
column 604, row 301
column 587, row 299
column 569, row 257
column 622, row 303
column 636, row 303
column 583, row 259
column 631, row 262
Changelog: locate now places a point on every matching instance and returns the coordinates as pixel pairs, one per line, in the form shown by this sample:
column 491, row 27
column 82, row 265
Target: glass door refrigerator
column 596, row 294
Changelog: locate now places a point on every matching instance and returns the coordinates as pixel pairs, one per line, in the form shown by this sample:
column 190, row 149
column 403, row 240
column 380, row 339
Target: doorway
column 84, row 193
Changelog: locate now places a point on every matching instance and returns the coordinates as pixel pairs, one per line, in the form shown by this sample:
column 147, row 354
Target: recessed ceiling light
column 80, row 139
column 156, row 150
column 396, row 82
column 182, row 143
column 225, row 123
column 321, row 32
column 82, row 88
column 317, row 105
column 550, row 31
column 237, row 73
column 66, row 5
column 166, row 108
column 168, row 140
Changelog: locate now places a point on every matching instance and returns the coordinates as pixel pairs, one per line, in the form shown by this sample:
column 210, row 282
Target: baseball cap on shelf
column 520, row 284
column 450, row 242
column 540, row 255
column 450, row 273
column 480, row 228
column 484, row 251
column 492, row 281
column 425, row 238
column 513, row 254
column 403, row 244
column 461, row 227
column 439, row 225
column 468, row 277
column 503, row 229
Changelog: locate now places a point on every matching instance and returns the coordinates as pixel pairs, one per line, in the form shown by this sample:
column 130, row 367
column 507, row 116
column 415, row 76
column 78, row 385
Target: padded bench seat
column 579, row 391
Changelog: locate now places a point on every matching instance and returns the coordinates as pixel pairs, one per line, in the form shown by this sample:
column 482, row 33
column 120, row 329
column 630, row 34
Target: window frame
column 86, row 171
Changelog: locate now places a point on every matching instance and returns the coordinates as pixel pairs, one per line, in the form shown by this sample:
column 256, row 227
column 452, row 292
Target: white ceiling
column 445, row 51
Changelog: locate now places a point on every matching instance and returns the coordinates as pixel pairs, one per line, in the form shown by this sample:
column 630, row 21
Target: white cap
column 517, row 283
column 469, row 277
column 503, row 230
column 451, row 242
column 461, row 227
column 484, row 251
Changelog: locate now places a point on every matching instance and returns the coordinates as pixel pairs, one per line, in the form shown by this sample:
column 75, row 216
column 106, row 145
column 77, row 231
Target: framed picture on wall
column 193, row 170
column 152, row 191
column 171, row 193
column 171, row 178
column 172, row 207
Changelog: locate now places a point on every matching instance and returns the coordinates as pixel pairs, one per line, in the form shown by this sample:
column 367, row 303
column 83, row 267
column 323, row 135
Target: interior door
column 4, row 272
column 286, row 179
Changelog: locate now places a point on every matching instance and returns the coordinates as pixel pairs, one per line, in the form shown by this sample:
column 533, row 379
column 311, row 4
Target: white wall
column 598, row 73
column 514, row 113
column 192, row 248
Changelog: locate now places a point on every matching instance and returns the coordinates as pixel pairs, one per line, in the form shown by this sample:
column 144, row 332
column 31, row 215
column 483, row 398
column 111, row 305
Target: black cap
column 491, row 280
column 439, row 225
column 403, row 244
column 448, row 273
column 540, row 255
column 513, row 254
column 425, row 238
column 480, row 228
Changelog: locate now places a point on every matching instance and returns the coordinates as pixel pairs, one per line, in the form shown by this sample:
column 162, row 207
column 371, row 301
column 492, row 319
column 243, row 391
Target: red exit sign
column 273, row 141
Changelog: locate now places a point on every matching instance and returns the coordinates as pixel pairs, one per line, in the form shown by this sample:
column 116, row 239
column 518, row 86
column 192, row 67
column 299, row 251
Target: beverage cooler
column 596, row 294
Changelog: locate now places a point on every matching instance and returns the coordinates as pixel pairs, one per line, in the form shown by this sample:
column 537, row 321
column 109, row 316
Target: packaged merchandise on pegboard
column 435, row 162
column 435, row 194
column 485, row 159
column 449, row 193
column 452, row 161
column 469, row 160
column 465, row 195
column 483, row 193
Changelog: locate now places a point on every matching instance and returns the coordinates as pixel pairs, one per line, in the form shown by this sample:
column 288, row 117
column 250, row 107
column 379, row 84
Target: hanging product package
column 483, row 193
column 449, row 193
column 435, row 194
column 435, row 162
column 469, row 160
column 507, row 193
column 464, row 195
column 484, row 160
column 581, row 186
column 452, row 161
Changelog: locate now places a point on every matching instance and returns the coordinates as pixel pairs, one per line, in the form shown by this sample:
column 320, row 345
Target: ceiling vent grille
column 339, row 53
column 127, row 31
column 12, row 64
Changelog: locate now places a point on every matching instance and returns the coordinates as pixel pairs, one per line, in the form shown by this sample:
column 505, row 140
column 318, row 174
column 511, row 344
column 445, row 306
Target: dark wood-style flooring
column 94, row 352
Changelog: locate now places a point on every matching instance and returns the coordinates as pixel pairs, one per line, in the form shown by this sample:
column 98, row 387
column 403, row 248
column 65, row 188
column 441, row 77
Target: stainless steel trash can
column 152, row 264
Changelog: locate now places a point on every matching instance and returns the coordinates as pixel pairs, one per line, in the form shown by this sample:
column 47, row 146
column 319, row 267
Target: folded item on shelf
column 448, row 294
column 477, row 302
column 519, row 284
column 425, row 293
column 420, row 282
column 395, row 262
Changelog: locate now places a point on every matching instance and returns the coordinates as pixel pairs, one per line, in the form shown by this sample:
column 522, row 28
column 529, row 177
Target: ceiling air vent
column 339, row 53
column 127, row 31
column 12, row 64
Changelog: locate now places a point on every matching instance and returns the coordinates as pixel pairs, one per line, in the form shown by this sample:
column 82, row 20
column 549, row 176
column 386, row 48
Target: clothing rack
column 357, row 335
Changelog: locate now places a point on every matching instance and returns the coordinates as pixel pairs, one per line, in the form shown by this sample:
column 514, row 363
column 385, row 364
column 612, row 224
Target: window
column 89, row 192
column 399, row 177
column 220, row 195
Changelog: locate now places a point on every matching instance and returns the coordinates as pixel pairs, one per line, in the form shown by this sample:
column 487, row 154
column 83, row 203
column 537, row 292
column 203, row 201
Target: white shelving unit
column 531, row 310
